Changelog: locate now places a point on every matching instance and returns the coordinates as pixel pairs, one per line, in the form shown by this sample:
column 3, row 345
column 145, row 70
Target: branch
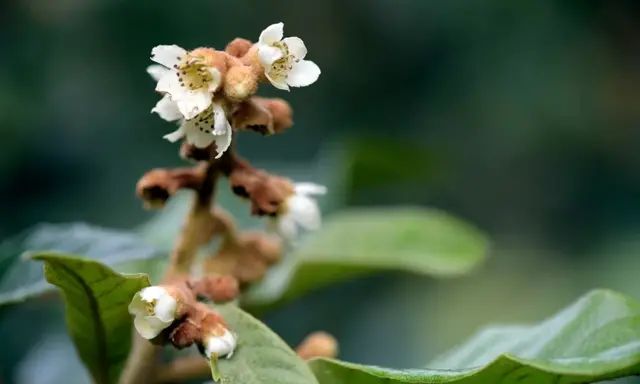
column 184, row 369
column 198, row 229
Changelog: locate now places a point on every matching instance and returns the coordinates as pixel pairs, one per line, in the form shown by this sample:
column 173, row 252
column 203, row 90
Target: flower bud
column 238, row 47
column 154, row 309
column 219, row 344
column 240, row 83
column 318, row 344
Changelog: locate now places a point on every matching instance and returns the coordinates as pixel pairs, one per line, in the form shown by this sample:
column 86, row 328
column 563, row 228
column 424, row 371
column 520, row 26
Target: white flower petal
column 296, row 47
column 149, row 326
column 192, row 103
column 223, row 142
column 195, row 136
column 286, row 226
column 169, row 84
column 272, row 34
column 303, row 73
column 165, row 308
column 216, row 79
column 220, row 123
column 167, row 55
column 175, row 135
column 304, row 211
column 278, row 83
column 221, row 345
column 167, row 109
column 310, row 189
column 137, row 305
column 157, row 71
column 268, row 55
column 154, row 292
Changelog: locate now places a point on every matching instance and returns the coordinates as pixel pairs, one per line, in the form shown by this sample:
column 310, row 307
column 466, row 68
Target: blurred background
column 521, row 117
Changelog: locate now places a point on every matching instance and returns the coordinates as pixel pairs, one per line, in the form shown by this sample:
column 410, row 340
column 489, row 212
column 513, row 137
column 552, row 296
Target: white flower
column 209, row 126
column 219, row 346
column 282, row 59
column 300, row 210
column 188, row 79
column 154, row 310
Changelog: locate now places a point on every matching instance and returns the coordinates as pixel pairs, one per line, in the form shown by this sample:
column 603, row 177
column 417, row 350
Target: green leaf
column 597, row 338
column 261, row 357
column 356, row 242
column 21, row 278
column 96, row 301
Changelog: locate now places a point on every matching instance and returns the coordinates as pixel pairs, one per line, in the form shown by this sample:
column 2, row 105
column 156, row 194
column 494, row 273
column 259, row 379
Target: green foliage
column 597, row 338
column 261, row 357
column 21, row 278
column 356, row 242
column 96, row 301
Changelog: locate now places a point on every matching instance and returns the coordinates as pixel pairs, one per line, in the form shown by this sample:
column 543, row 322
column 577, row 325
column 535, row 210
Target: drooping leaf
column 597, row 338
column 96, row 300
column 261, row 357
column 352, row 243
column 21, row 277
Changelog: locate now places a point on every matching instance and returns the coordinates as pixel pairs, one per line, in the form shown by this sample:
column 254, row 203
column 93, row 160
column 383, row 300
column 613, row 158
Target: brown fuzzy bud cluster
column 263, row 115
column 158, row 185
column 247, row 258
column 199, row 323
column 266, row 192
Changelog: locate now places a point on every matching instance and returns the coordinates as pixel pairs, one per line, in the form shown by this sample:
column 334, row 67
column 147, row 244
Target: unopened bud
column 318, row 344
column 238, row 47
column 240, row 83
column 220, row 343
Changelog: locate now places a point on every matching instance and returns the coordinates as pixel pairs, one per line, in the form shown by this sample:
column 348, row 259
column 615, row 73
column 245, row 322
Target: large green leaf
column 21, row 278
column 415, row 240
column 597, row 338
column 261, row 356
column 96, row 301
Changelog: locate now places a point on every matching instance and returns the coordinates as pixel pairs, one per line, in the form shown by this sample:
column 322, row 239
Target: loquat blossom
column 189, row 78
column 282, row 59
column 299, row 210
column 219, row 346
column 209, row 126
column 154, row 309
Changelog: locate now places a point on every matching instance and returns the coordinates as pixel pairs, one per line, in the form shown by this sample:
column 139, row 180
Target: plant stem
column 184, row 369
column 198, row 229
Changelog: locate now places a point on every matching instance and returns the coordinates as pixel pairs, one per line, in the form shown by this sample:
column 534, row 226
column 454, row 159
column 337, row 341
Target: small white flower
column 282, row 59
column 219, row 346
column 187, row 79
column 154, row 310
column 300, row 210
column 209, row 126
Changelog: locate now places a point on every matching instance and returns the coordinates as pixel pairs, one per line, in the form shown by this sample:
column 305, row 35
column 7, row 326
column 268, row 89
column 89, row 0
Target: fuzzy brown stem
column 198, row 229
column 184, row 369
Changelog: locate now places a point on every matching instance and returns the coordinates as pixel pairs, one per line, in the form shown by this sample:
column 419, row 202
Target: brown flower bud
column 280, row 111
column 247, row 258
column 238, row 47
column 266, row 191
column 265, row 116
column 218, row 288
column 199, row 322
column 318, row 344
column 157, row 185
column 240, row 83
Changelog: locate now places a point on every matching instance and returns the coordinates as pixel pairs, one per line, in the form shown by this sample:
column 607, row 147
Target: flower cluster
column 210, row 95
column 202, row 88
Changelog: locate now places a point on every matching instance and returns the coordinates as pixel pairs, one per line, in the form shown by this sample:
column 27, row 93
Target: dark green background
column 520, row 116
